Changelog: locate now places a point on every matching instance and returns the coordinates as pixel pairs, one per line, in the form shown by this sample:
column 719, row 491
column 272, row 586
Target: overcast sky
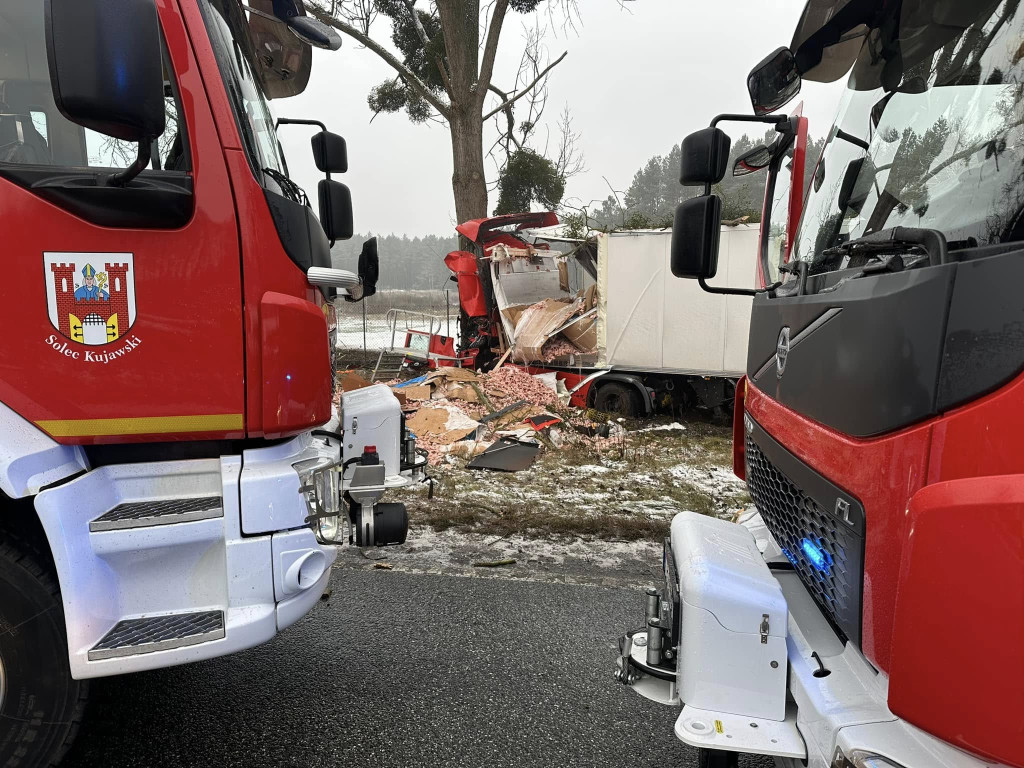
column 636, row 81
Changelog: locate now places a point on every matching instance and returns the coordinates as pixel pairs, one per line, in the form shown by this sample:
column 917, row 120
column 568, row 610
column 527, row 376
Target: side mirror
column 314, row 32
column 292, row 13
column 335, row 210
column 330, row 152
column 752, row 161
column 705, row 157
column 858, row 181
column 773, row 82
column 369, row 267
column 106, row 67
column 695, row 235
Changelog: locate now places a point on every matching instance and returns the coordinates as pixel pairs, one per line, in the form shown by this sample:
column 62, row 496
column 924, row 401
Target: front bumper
column 835, row 701
column 249, row 559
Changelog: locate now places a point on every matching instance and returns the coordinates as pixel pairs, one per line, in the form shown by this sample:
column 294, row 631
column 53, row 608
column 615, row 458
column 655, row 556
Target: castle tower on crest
column 117, row 287
column 64, row 285
column 72, row 313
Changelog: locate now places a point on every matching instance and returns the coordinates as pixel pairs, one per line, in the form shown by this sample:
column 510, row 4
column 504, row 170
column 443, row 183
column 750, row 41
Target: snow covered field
column 378, row 328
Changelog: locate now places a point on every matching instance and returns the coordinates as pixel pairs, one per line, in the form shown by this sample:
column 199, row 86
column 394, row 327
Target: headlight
column 320, row 486
column 860, row 759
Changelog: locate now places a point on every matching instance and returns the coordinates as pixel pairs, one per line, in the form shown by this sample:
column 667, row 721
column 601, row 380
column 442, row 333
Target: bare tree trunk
column 461, row 22
column 468, row 180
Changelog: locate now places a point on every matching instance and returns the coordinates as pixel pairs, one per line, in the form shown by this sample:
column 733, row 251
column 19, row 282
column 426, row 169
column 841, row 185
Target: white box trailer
column 648, row 320
column 659, row 339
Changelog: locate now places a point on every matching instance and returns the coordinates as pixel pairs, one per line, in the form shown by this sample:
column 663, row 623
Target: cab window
column 34, row 133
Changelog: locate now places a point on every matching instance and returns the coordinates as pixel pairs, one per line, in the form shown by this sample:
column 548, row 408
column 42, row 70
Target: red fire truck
column 870, row 611
column 174, row 477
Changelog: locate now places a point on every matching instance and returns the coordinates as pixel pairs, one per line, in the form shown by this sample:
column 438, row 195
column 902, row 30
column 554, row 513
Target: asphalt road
column 401, row 669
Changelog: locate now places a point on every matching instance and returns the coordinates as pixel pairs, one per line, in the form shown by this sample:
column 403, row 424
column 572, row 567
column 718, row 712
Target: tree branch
column 407, row 75
column 509, row 102
column 420, row 31
column 490, row 51
column 511, row 135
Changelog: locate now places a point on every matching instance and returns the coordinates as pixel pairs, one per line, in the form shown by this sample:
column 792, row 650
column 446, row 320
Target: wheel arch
column 629, row 379
column 31, row 460
column 20, row 525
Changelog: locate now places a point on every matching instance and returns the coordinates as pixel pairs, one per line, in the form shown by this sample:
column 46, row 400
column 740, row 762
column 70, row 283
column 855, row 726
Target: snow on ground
column 378, row 328
column 574, row 560
column 714, row 480
column 675, row 425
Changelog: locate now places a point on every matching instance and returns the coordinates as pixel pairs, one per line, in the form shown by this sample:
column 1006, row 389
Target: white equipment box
column 372, row 416
column 732, row 636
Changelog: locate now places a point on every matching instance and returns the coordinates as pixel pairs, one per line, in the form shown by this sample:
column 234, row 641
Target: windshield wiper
column 289, row 188
column 894, row 241
column 891, row 264
column 887, row 250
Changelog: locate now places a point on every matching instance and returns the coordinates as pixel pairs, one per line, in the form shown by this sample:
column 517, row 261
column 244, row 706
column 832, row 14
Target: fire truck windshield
column 942, row 120
column 229, row 33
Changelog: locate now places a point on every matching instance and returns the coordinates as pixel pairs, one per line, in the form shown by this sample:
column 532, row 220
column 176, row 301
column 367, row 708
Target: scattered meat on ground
column 597, row 477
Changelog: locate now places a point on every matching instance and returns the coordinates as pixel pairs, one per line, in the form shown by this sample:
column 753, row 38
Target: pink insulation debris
column 557, row 348
column 517, row 385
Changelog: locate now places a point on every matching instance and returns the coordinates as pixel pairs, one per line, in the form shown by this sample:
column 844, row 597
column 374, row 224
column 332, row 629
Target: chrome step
column 143, row 514
column 132, row 637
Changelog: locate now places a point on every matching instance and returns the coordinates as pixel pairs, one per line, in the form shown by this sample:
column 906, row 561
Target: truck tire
column 716, row 758
column 721, row 416
column 616, row 397
column 41, row 706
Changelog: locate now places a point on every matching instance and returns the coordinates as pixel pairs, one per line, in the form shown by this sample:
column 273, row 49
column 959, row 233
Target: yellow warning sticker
column 718, row 727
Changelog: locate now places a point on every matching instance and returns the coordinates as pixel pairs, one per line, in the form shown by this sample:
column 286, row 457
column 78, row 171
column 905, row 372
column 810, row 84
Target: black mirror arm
column 123, row 178
column 726, row 291
column 299, row 121
column 855, row 140
column 781, row 122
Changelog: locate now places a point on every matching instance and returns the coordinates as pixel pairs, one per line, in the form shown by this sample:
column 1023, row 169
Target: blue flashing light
column 818, row 557
column 789, row 556
column 288, row 377
column 120, row 73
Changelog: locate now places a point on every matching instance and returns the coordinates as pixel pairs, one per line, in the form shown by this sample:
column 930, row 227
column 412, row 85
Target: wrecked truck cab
column 602, row 313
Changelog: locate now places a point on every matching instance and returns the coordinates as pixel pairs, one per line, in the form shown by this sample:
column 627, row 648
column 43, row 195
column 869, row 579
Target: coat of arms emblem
column 90, row 297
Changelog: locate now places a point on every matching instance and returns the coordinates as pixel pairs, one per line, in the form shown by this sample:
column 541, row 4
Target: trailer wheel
column 717, row 758
column 41, row 706
column 616, row 397
column 721, row 416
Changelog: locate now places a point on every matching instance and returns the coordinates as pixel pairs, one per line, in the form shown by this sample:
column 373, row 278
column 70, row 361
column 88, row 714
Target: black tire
column 41, row 706
column 721, row 415
column 616, row 397
column 716, row 758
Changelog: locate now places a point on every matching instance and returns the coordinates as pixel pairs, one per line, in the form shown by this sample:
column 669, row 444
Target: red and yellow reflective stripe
column 143, row 425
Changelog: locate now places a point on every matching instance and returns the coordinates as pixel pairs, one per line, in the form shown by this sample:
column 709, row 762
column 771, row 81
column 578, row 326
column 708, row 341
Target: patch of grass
column 692, row 498
column 627, row 491
column 535, row 522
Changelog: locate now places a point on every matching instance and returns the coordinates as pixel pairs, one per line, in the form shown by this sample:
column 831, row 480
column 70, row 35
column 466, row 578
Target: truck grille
column 826, row 551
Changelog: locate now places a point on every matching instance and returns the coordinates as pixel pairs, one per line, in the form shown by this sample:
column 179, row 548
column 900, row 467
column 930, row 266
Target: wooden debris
column 503, row 358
